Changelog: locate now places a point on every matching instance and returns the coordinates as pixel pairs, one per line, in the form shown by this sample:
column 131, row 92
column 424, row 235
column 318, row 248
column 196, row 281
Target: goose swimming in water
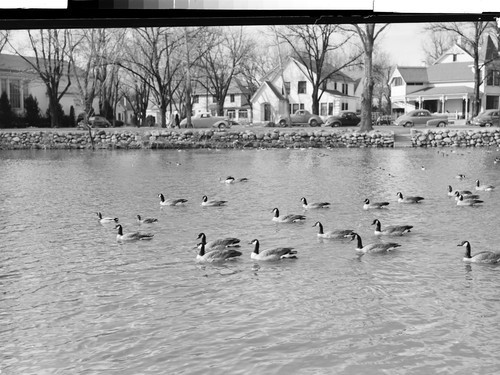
column 374, row 205
column 452, row 193
column 218, row 255
column 171, row 202
column 484, row 187
column 272, row 254
column 467, row 202
column 232, row 180
column 460, row 176
column 220, row 243
column 146, row 220
column 132, row 236
column 373, row 248
column 481, row 257
column 290, row 218
column 337, row 234
column 410, row 200
column 314, row 205
column 106, row 220
column 391, row 230
column 466, row 195
column 211, row 203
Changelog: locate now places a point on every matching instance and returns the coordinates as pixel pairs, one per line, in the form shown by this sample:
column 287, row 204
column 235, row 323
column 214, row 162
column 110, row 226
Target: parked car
column 420, row 117
column 344, row 118
column 486, row 118
column 99, row 122
column 301, row 117
column 206, row 120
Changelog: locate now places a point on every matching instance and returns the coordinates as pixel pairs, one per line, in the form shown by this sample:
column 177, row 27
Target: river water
column 74, row 301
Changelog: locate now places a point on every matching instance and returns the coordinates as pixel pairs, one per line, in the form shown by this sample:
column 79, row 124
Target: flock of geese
column 224, row 249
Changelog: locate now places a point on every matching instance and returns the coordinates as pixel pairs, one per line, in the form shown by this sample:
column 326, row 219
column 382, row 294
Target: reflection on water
column 73, row 300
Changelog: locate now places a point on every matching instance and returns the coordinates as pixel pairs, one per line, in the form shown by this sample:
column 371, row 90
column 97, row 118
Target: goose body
column 373, row 248
column 467, row 202
column 410, row 200
column 452, row 193
column 232, row 180
column 460, row 176
column 481, row 257
column 106, row 220
column 336, row 234
column 277, row 253
column 466, row 195
column 374, row 205
column 218, row 255
column 146, row 220
column 211, row 203
column 171, row 202
column 314, row 205
column 132, row 236
column 484, row 187
column 290, row 218
column 220, row 243
column 391, row 230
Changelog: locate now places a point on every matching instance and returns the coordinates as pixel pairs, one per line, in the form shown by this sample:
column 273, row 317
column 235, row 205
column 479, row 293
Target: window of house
column 491, row 102
column 454, row 57
column 335, row 85
column 323, row 85
column 231, row 98
column 322, row 109
column 196, row 99
column 301, row 87
column 243, row 113
column 287, row 88
column 345, row 89
column 214, row 99
column 344, row 106
column 330, row 109
column 493, row 78
column 230, row 113
column 397, row 81
column 15, row 93
column 295, row 108
column 301, row 106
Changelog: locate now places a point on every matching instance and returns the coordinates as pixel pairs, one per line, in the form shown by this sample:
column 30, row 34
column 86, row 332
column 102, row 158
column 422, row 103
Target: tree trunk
column 315, row 101
column 189, row 106
column 367, row 95
column 477, row 78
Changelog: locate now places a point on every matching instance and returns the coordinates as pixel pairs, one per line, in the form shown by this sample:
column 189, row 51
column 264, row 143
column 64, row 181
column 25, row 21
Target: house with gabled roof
column 448, row 84
column 18, row 80
column 269, row 103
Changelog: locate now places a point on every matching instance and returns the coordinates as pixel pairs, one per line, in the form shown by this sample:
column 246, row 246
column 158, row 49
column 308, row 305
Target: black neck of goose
column 320, row 228
column 99, row 215
column 203, row 238
column 304, row 201
column 202, row 249
column 276, row 213
column 360, row 243
column 120, row 230
column 377, row 224
column 450, row 189
column 467, row 250
column 256, row 248
column 162, row 198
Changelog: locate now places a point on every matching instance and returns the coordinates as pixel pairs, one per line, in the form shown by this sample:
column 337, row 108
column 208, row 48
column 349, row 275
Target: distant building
column 448, row 84
column 338, row 93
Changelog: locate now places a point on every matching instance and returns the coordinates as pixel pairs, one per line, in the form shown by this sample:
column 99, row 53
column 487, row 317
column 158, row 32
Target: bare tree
column 382, row 70
column 223, row 61
column 437, row 44
column 51, row 48
column 368, row 34
column 471, row 39
column 4, row 38
column 136, row 93
column 316, row 47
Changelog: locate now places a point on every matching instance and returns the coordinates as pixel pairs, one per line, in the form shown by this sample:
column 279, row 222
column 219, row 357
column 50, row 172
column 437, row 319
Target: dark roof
column 334, row 92
column 326, row 70
column 442, row 90
column 275, row 90
column 413, row 73
column 455, row 71
column 489, row 51
column 15, row 63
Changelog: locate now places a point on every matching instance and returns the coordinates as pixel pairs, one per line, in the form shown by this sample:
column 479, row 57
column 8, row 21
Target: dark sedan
column 345, row 118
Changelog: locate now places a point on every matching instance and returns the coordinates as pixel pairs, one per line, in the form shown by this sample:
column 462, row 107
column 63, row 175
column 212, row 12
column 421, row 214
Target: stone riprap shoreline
column 193, row 138
column 455, row 137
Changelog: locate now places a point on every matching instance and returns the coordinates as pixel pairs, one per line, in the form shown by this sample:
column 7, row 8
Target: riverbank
column 153, row 138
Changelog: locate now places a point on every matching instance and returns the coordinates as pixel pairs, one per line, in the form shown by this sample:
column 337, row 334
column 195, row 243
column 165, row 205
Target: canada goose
column 146, row 220
column 390, row 230
column 211, row 203
column 171, row 202
column 232, row 180
column 277, row 253
column 373, row 248
column 467, row 195
column 291, row 218
column 220, row 243
column 481, row 257
column 341, row 233
column 467, row 202
column 452, row 193
column 374, row 205
column 483, row 187
column 314, row 205
column 460, row 176
column 402, row 199
column 132, row 236
column 106, row 220
column 218, row 255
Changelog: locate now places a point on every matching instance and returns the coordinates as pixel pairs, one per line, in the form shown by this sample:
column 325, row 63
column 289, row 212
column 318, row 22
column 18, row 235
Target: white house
column 448, row 84
column 269, row 101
